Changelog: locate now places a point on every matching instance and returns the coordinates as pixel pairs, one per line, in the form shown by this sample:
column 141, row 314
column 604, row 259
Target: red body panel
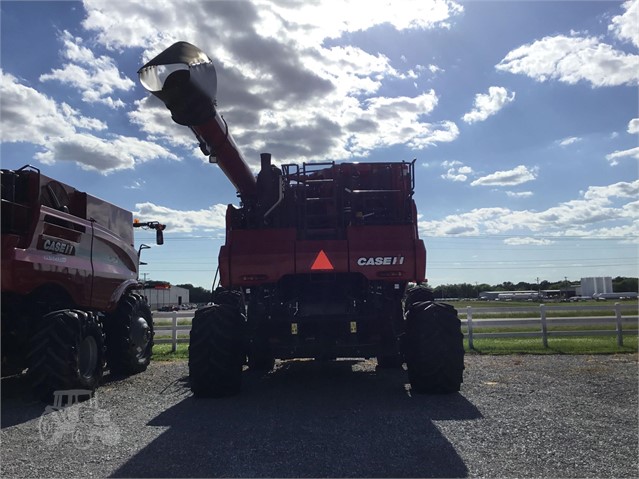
column 266, row 255
column 377, row 252
column 87, row 251
column 228, row 158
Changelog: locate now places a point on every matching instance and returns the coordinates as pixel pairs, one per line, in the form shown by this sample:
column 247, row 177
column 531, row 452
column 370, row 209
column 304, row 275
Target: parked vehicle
column 70, row 301
column 317, row 257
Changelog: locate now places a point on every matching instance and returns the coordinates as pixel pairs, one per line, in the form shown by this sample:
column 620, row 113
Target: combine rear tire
column 418, row 294
column 216, row 351
column 66, row 352
column 434, row 348
column 129, row 336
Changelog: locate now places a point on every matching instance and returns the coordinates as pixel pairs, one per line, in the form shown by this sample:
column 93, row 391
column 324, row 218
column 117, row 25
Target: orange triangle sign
column 322, row 262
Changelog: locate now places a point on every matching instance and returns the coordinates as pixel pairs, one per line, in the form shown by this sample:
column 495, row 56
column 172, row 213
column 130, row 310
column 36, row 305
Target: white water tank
column 596, row 285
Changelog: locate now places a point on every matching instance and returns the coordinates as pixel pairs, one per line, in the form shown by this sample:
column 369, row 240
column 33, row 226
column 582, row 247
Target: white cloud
column 516, row 176
column 96, row 77
column 304, row 23
column 614, row 157
column 274, row 63
column 453, row 175
column 487, row 104
column 451, row 163
column 136, row 185
column 29, row 116
column 571, row 60
column 624, row 26
column 519, row 194
column 457, row 171
column 601, row 211
column 65, row 135
column 99, row 154
column 616, row 190
column 180, row 221
column 517, row 241
column 633, row 126
column 569, row 141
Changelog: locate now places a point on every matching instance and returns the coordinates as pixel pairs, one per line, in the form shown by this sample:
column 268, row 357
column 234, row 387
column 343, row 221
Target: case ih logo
column 380, row 260
column 56, row 246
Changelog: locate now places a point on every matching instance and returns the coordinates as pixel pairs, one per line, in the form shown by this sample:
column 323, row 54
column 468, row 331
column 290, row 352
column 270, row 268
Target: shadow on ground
column 20, row 405
column 307, row 419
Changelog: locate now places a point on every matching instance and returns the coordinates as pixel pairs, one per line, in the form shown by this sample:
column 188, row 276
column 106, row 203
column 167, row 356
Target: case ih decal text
column 380, row 260
column 56, row 246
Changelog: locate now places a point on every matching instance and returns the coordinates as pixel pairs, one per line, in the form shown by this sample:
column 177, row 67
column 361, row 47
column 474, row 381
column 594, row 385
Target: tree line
column 620, row 284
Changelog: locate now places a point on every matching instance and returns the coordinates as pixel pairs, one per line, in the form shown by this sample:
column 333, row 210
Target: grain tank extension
column 317, row 258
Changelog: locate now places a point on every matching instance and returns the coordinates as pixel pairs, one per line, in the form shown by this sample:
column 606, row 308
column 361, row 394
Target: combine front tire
column 129, row 336
column 216, row 351
column 434, row 348
column 66, row 352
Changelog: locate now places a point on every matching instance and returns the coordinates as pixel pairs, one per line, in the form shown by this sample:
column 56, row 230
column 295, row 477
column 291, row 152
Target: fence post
column 619, row 330
column 469, row 323
column 544, row 327
column 174, row 332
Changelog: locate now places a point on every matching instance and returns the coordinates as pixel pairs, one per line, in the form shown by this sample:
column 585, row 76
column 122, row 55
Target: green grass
column 461, row 305
column 500, row 346
column 560, row 345
column 162, row 352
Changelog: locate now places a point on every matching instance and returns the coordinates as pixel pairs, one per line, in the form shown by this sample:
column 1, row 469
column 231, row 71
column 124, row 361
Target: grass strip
column 499, row 346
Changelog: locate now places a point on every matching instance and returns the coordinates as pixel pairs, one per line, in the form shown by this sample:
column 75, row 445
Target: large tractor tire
column 434, row 348
column 129, row 336
column 217, row 351
column 418, row 294
column 66, row 352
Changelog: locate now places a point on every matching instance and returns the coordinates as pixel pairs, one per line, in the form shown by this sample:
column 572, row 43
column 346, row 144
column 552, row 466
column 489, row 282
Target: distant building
column 166, row 295
column 595, row 285
column 621, row 295
column 529, row 295
column 509, row 295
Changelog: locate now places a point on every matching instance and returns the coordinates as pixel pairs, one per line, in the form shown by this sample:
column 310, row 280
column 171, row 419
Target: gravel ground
column 516, row 416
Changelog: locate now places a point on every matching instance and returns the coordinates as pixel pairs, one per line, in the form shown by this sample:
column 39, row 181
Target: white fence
column 543, row 321
column 174, row 328
column 539, row 318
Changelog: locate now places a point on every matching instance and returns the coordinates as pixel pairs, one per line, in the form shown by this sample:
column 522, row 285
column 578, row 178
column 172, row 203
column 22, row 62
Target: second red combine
column 317, row 260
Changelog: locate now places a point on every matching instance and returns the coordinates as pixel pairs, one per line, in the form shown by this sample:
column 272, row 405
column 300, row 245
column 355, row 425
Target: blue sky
column 523, row 118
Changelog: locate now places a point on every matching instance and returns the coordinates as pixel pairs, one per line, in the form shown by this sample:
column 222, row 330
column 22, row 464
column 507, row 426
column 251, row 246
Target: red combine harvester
column 70, row 300
column 317, row 258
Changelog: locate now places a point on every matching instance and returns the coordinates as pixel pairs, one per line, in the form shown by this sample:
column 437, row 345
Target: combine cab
column 317, row 259
column 69, row 281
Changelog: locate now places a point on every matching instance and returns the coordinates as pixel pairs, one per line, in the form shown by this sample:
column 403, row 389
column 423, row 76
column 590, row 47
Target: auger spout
column 184, row 78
